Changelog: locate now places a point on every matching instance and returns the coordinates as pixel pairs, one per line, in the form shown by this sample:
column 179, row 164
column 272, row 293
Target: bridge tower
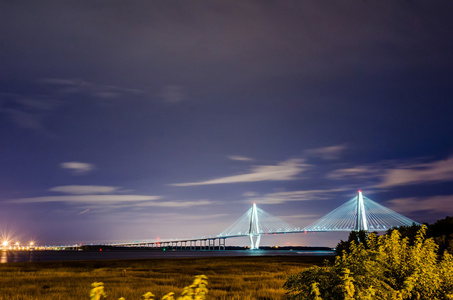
column 254, row 229
column 361, row 223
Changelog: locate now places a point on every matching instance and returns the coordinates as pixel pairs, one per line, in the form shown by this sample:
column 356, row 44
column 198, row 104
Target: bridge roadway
column 201, row 243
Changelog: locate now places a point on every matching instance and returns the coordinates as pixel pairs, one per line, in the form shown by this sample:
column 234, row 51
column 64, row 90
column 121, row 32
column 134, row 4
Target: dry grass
column 228, row 277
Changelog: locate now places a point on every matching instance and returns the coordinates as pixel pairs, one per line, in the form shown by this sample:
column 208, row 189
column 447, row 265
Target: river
column 49, row 255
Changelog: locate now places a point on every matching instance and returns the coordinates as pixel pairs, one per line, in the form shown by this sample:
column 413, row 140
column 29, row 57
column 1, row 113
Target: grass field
column 228, row 277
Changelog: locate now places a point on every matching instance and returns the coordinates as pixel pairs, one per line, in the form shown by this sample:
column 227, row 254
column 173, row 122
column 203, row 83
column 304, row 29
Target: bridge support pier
column 211, row 244
column 362, row 222
column 254, row 244
column 254, row 229
column 222, row 243
column 193, row 245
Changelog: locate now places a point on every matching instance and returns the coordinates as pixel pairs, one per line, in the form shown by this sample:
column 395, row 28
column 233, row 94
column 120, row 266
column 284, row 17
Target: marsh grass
column 229, row 277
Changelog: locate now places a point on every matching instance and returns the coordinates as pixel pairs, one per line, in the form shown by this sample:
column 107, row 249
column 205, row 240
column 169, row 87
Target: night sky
column 132, row 120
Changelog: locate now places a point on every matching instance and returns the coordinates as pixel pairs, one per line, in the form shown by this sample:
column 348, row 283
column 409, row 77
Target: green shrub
column 388, row 268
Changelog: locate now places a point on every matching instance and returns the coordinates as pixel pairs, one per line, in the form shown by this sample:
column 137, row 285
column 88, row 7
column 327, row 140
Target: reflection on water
column 16, row 256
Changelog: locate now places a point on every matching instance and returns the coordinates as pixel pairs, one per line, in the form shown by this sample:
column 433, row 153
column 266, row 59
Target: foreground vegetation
column 229, row 277
column 385, row 267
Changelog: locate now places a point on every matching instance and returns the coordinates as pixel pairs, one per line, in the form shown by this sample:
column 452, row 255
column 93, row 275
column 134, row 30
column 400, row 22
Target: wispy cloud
column 291, row 196
column 170, row 217
column 77, row 168
column 172, row 93
column 287, row 170
column 439, row 204
column 176, row 204
column 436, row 171
column 166, row 217
column 65, row 86
column 388, row 174
column 93, row 199
column 134, row 207
column 327, row 153
column 28, row 112
column 240, row 158
column 297, row 219
column 359, row 172
column 250, row 194
column 84, row 189
column 27, row 120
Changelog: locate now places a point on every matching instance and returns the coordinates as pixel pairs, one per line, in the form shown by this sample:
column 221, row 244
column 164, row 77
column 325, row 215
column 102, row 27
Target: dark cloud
column 158, row 43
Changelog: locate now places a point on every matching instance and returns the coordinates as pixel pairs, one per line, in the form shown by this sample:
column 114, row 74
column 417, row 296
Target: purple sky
column 131, row 120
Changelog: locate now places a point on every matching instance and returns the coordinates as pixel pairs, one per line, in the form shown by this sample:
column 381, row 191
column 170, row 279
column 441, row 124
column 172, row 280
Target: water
column 34, row 256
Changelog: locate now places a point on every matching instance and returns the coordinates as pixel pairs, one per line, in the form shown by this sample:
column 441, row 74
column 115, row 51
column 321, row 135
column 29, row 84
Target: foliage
column 354, row 236
column 196, row 291
column 385, row 267
column 97, row 291
column 146, row 296
column 409, row 232
column 441, row 231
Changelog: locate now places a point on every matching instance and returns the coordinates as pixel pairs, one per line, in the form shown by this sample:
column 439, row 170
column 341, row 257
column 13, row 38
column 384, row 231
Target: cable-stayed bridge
column 358, row 213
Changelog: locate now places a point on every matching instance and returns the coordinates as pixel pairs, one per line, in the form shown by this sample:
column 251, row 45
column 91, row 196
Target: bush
column 388, row 268
column 441, row 231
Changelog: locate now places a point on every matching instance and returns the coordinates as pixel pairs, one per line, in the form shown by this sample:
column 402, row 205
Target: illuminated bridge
column 358, row 213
